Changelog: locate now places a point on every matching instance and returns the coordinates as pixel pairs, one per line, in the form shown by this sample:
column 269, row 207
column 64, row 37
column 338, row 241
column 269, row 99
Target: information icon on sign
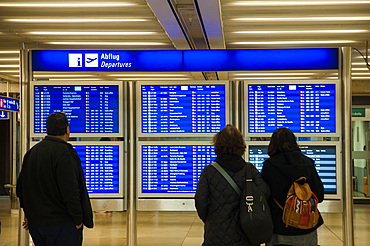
column 75, row 59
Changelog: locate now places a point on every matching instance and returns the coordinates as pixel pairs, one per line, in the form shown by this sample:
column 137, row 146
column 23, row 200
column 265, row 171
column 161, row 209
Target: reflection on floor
column 176, row 228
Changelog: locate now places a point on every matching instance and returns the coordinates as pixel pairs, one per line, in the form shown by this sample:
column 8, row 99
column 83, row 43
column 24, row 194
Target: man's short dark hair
column 229, row 141
column 282, row 140
column 56, row 124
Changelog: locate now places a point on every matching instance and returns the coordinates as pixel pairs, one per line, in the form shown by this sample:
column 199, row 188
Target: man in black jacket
column 52, row 190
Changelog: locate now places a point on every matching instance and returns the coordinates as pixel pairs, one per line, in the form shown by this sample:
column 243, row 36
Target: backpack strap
column 227, row 177
column 297, row 180
column 301, row 178
column 277, row 203
column 249, row 188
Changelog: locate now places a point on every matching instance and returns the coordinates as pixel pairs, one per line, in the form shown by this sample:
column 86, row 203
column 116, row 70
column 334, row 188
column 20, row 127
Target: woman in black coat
column 216, row 201
column 285, row 165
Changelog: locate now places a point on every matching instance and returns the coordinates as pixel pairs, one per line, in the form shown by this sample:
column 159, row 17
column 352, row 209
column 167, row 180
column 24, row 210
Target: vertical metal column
column 348, row 238
column 236, row 104
column 23, row 235
column 13, row 141
column 131, row 208
column 13, row 174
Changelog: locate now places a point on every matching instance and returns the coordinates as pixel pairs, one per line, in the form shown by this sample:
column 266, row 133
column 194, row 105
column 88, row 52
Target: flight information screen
column 174, row 168
column 303, row 108
column 89, row 108
column 100, row 164
column 182, row 108
column 324, row 157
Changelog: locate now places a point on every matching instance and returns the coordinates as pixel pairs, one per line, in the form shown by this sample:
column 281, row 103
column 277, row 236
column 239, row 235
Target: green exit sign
column 358, row 112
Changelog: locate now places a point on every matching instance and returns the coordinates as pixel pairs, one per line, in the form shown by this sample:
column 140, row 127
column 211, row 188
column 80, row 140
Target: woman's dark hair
column 282, row 140
column 229, row 141
column 56, row 124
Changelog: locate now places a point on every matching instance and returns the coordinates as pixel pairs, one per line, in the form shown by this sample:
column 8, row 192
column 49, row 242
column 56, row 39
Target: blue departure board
column 173, row 168
column 325, row 157
column 186, row 108
column 303, row 108
column 100, row 164
column 89, row 108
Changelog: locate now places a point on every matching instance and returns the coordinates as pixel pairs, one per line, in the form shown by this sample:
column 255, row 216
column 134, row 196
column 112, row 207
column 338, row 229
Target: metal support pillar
column 23, row 235
column 131, row 208
column 348, row 238
column 236, row 105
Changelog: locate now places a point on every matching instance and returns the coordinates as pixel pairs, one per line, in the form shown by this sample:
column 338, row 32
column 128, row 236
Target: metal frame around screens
column 287, row 82
column 139, row 168
column 138, row 103
column 120, row 166
column 85, row 83
column 338, row 195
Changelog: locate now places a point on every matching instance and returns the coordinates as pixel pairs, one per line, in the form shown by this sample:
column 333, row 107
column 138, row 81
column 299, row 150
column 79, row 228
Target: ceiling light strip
column 163, row 79
column 272, row 74
column 341, row 18
column 91, row 33
column 9, row 51
column 298, row 42
column 107, row 43
column 9, row 71
column 263, row 78
column 66, row 5
column 295, row 3
column 147, row 75
column 301, row 32
column 61, row 75
column 9, row 65
column 80, row 20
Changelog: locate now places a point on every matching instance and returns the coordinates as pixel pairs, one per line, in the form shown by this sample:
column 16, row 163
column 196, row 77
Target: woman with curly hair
column 216, row 201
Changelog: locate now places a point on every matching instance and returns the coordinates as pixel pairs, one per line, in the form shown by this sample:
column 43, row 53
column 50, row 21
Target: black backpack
column 255, row 215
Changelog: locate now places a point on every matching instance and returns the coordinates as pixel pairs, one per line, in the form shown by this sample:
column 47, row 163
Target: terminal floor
column 176, row 228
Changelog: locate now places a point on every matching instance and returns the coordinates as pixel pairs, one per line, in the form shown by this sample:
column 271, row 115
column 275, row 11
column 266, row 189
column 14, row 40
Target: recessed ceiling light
column 135, row 79
column 61, row 75
column 359, row 63
column 92, row 33
column 301, row 32
column 361, row 73
column 263, row 78
column 9, row 59
column 9, row 65
column 272, row 74
column 294, row 3
column 9, row 71
column 76, row 20
column 341, row 18
column 74, row 79
column 66, row 5
column 9, row 51
column 107, row 43
column 147, row 75
column 299, row 42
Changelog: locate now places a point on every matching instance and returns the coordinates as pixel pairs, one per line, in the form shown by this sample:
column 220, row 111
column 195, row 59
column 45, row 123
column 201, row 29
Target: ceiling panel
column 231, row 24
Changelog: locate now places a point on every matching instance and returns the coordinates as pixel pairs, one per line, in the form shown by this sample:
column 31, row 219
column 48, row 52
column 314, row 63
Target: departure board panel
column 183, row 108
column 303, row 108
column 173, row 168
column 101, row 166
column 325, row 157
column 90, row 109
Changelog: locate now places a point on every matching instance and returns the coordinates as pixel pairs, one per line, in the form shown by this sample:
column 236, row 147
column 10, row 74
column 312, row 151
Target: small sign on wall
column 4, row 115
column 358, row 112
